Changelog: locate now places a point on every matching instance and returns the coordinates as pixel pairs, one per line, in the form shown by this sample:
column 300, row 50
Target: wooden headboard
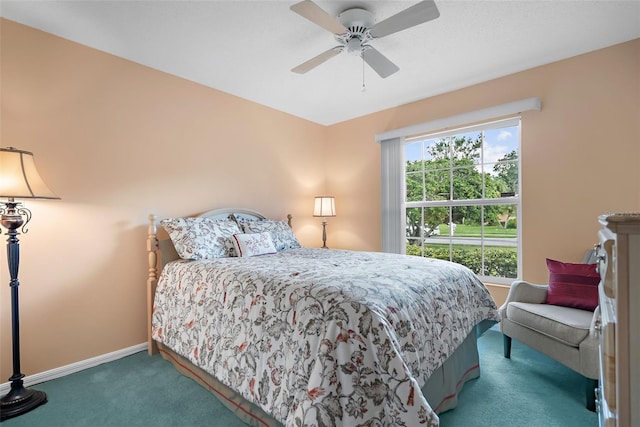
column 163, row 249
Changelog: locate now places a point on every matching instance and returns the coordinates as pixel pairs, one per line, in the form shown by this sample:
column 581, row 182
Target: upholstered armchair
column 566, row 334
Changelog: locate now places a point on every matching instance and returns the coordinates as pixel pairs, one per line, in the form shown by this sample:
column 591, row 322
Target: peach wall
column 118, row 141
column 580, row 154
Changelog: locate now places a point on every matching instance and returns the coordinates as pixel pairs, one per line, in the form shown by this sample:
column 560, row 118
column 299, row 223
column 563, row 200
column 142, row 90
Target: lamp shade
column 324, row 206
column 19, row 177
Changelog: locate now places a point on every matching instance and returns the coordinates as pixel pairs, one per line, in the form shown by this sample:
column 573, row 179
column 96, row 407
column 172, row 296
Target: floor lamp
column 18, row 179
column 324, row 206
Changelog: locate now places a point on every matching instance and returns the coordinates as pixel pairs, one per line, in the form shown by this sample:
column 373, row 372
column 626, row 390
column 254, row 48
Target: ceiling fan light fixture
column 354, row 46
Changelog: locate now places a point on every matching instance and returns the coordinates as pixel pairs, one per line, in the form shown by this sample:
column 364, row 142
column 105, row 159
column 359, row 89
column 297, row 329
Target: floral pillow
column 201, row 238
column 253, row 244
column 281, row 234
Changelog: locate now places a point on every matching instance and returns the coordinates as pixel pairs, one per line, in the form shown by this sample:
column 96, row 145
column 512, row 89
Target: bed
column 300, row 336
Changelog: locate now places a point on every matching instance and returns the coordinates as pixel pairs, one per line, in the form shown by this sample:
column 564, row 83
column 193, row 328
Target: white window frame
column 393, row 163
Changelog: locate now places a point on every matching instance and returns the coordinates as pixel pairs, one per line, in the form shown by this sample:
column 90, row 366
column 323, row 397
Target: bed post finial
column 152, row 278
column 289, row 218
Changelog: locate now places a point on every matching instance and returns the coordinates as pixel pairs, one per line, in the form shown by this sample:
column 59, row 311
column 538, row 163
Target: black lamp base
column 20, row 400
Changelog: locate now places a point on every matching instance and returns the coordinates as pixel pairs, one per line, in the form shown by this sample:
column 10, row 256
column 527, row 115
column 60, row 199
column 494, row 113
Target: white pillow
column 253, row 244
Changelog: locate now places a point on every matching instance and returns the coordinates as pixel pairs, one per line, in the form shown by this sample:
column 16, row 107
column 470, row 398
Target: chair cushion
column 564, row 324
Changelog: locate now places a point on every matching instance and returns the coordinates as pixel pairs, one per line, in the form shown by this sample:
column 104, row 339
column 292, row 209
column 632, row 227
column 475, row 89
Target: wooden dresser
column 618, row 252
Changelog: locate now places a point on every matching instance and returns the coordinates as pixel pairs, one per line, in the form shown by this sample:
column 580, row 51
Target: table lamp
column 324, row 206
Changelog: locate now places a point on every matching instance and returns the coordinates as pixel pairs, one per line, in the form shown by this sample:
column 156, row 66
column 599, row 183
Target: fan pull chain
column 363, row 88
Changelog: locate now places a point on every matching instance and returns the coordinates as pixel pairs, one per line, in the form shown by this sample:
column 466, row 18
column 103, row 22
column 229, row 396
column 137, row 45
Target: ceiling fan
column 354, row 29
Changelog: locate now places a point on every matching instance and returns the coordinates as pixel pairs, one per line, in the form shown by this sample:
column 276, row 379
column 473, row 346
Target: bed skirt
column 441, row 389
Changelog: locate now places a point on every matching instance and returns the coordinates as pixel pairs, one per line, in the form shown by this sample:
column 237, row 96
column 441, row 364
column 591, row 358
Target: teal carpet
column 529, row 390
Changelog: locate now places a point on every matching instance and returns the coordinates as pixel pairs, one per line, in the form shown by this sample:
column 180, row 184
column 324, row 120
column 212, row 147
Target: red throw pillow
column 573, row 285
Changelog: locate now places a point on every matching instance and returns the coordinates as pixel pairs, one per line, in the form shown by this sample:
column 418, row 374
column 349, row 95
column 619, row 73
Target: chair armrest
column 527, row 292
column 522, row 291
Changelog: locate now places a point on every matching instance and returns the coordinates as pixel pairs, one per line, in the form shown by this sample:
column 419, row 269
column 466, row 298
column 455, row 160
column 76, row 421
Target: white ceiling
column 247, row 48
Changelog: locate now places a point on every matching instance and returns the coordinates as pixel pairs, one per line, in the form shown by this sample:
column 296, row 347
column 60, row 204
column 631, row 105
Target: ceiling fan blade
column 315, row 14
column 317, row 60
column 415, row 15
column 380, row 63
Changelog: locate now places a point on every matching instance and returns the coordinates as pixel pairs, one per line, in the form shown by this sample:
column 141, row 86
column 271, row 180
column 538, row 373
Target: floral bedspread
column 321, row 337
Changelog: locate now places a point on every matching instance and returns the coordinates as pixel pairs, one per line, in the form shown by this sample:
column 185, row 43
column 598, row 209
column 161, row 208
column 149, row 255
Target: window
column 462, row 197
column 397, row 232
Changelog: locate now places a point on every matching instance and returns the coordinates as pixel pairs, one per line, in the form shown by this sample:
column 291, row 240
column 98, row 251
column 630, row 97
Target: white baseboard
column 75, row 367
